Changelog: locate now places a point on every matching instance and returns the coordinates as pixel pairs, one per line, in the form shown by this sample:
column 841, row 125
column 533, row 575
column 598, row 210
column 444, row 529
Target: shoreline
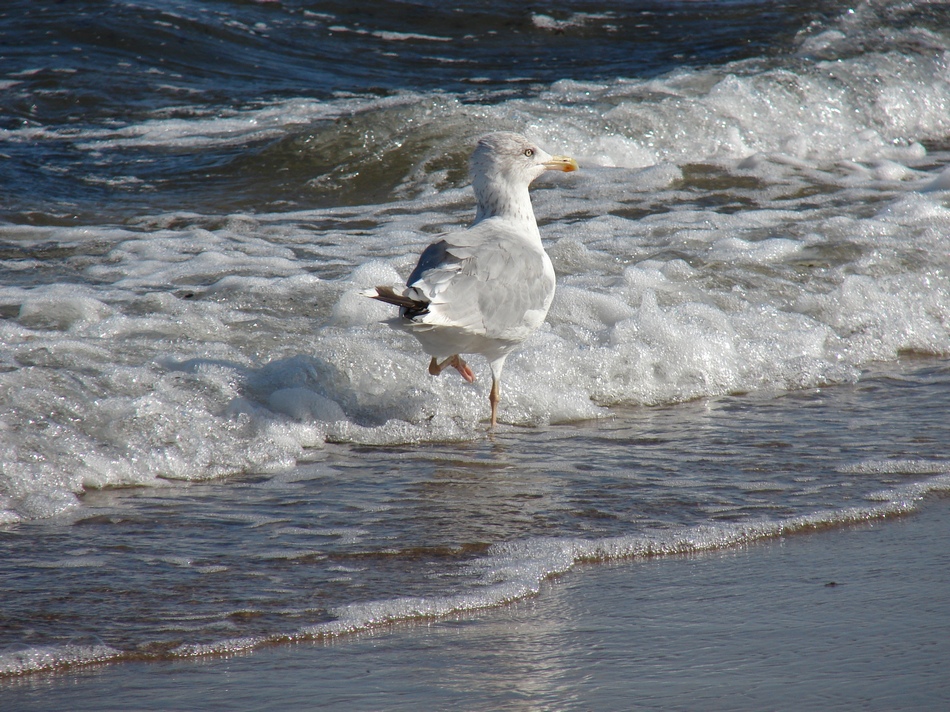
column 857, row 617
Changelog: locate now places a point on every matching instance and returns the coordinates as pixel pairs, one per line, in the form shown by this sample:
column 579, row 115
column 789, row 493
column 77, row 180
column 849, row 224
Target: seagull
column 486, row 289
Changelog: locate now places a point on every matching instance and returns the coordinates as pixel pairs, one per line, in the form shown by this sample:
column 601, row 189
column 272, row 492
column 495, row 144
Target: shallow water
column 210, row 441
column 800, row 622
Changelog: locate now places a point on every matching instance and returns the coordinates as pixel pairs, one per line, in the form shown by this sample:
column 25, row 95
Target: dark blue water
column 75, row 67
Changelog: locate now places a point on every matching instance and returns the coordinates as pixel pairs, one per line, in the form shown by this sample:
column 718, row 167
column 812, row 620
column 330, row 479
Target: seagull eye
column 529, row 152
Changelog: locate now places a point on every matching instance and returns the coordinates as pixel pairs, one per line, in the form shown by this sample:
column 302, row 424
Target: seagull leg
column 456, row 362
column 493, row 398
column 495, row 394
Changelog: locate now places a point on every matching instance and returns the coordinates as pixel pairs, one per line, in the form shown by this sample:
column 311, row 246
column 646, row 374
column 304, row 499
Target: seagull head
column 503, row 165
column 516, row 158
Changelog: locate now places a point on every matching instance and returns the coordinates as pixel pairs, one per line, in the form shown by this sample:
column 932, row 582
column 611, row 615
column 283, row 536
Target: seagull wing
column 487, row 280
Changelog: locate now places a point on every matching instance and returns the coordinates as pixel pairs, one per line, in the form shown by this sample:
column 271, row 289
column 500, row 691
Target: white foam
column 134, row 380
column 32, row 659
column 409, row 36
column 734, row 249
column 305, row 405
column 900, row 466
column 575, row 19
column 61, row 308
column 181, row 352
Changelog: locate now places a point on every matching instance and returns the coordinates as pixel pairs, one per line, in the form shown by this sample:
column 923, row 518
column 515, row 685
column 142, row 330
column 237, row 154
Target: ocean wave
column 758, row 225
column 852, row 98
column 195, row 348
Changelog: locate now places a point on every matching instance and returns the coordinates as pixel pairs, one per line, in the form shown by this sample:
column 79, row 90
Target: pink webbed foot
column 456, row 362
column 463, row 368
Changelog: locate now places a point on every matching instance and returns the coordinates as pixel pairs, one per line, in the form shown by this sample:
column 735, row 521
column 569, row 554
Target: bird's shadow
column 305, row 388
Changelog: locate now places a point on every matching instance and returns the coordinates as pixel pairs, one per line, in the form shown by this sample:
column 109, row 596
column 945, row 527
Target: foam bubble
column 734, row 249
column 61, row 308
column 39, row 503
column 941, row 182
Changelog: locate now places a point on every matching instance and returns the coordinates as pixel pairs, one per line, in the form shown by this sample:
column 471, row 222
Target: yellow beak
column 561, row 163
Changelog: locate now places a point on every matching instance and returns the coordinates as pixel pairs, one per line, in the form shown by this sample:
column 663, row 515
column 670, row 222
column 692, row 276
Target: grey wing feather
column 517, row 285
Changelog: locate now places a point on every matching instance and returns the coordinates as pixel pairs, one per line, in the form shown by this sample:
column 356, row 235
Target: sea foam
column 746, row 227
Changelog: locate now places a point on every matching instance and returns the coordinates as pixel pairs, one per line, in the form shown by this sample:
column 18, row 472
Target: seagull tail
column 388, row 295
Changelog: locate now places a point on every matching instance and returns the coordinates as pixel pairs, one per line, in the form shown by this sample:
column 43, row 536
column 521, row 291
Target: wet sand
column 849, row 619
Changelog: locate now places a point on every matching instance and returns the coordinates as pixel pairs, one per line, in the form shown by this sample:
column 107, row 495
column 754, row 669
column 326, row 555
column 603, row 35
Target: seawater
column 209, row 440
